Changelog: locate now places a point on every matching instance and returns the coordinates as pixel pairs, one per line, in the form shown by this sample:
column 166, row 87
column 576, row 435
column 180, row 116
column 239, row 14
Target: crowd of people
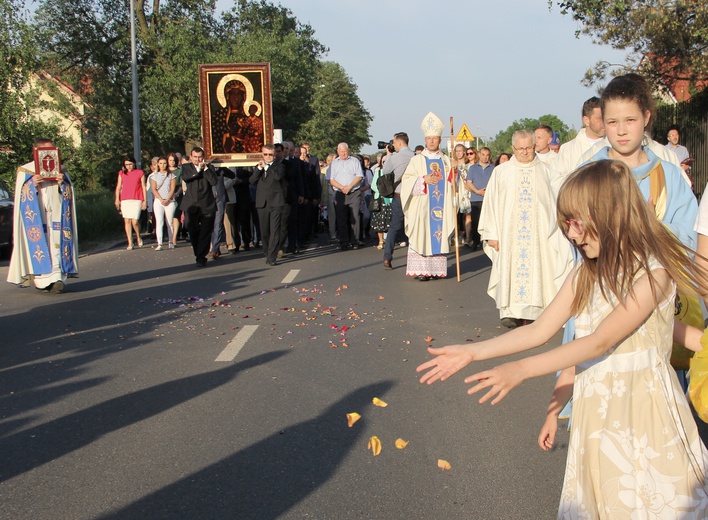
column 595, row 236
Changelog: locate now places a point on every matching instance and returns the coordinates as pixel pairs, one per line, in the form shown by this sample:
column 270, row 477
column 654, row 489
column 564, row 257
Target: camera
column 387, row 145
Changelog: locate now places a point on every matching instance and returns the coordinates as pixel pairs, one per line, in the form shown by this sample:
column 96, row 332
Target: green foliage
column 339, row 116
column 18, row 60
column 258, row 31
column 87, row 43
column 97, row 219
column 671, row 36
column 502, row 141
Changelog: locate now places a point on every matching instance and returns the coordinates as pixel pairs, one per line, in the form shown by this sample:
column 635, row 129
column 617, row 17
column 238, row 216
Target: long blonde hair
column 605, row 196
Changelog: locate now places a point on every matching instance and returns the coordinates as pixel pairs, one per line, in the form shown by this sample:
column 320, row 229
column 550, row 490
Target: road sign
column 464, row 134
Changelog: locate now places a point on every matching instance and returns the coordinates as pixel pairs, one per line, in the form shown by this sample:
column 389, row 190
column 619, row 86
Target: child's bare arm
column 562, row 393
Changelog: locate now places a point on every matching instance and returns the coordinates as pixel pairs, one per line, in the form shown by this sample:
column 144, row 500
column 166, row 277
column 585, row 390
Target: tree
column 258, row 31
column 18, row 59
column 670, row 36
column 502, row 141
column 339, row 114
column 87, row 44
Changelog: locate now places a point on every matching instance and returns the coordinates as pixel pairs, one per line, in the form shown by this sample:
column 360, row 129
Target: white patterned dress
column 634, row 448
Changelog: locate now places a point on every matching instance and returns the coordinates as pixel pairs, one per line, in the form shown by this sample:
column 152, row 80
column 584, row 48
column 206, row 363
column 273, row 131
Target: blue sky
column 486, row 64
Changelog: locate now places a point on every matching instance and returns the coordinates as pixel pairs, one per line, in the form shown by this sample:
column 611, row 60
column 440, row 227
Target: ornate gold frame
column 233, row 136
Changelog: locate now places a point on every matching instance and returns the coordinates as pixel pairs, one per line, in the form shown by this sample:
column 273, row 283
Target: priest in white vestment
column 520, row 236
column 428, row 205
column 45, row 245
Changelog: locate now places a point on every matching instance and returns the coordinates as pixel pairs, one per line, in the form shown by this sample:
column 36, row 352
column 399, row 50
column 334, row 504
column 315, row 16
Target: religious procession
column 591, row 254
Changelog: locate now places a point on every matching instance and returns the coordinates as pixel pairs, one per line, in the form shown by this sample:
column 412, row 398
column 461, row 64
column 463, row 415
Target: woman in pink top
column 131, row 198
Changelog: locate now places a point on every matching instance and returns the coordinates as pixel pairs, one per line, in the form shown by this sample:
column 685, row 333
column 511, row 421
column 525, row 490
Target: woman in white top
column 162, row 185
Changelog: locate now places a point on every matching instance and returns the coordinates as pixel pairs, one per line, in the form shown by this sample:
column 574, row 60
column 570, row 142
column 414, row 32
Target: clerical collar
column 432, row 155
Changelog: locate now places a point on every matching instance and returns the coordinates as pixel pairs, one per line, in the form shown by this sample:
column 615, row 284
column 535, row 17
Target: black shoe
column 510, row 323
column 245, row 248
column 355, row 246
column 57, row 287
column 233, row 251
column 423, row 278
column 387, row 265
column 344, row 247
column 201, row 262
column 476, row 246
column 273, row 263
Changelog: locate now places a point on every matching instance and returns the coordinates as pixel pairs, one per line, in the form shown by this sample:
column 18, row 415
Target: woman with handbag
column 381, row 212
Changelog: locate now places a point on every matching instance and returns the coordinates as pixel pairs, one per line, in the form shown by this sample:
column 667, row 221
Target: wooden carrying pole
column 454, row 194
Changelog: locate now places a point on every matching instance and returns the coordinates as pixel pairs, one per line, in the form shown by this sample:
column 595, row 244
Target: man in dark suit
column 270, row 199
column 199, row 204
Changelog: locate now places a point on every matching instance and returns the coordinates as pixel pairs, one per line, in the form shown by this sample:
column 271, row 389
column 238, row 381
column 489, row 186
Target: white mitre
column 432, row 126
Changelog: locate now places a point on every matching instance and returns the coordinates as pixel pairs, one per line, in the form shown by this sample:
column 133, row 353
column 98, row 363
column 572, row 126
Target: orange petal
column 345, row 287
column 400, row 444
column 374, row 445
column 379, row 402
column 352, row 418
column 381, row 297
column 429, row 339
column 443, row 464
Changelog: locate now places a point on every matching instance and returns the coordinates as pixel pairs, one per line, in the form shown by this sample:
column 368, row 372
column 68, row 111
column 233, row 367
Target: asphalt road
column 154, row 389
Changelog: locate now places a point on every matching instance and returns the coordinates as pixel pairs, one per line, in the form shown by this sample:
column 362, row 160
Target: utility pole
column 136, row 108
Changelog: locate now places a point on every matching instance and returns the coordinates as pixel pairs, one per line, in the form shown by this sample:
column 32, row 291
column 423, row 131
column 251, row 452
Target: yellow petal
column 443, row 464
column 400, row 444
column 374, row 445
column 379, row 402
column 352, row 418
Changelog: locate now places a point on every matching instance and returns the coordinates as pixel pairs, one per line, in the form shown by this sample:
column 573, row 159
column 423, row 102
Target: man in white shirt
column 544, row 135
column 346, row 178
column 680, row 151
column 572, row 153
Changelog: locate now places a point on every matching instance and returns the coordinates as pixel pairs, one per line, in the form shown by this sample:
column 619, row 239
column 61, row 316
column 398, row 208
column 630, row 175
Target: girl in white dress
column 634, row 449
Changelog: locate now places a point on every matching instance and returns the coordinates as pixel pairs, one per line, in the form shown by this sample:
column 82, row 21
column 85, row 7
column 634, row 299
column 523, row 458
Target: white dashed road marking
column 291, row 276
column 236, row 344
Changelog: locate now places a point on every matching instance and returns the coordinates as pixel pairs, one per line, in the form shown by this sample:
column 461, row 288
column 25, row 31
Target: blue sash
column 436, row 203
column 37, row 233
column 68, row 233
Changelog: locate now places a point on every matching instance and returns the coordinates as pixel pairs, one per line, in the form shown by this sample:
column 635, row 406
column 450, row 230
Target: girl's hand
column 144, row 205
column 500, row 381
column 548, row 433
column 448, row 361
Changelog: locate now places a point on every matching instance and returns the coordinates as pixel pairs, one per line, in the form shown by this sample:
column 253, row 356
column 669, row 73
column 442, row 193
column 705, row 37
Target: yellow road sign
column 464, row 134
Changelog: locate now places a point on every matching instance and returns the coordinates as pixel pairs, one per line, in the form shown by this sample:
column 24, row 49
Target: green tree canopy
column 502, row 141
column 18, row 100
column 670, row 36
column 87, row 43
column 338, row 113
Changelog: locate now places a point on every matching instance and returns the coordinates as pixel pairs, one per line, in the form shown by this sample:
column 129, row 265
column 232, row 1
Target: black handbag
column 375, row 205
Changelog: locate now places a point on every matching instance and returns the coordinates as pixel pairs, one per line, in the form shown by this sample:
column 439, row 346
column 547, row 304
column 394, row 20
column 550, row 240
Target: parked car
column 7, row 205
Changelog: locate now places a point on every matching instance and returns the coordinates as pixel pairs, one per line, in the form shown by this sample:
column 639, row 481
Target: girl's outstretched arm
column 562, row 393
column 448, row 360
column 623, row 321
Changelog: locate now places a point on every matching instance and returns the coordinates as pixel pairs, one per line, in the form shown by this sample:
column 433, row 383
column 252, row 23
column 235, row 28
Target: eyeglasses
column 576, row 225
column 267, row 154
column 525, row 149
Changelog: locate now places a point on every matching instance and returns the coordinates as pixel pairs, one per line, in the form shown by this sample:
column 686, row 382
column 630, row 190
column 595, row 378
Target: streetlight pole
column 136, row 108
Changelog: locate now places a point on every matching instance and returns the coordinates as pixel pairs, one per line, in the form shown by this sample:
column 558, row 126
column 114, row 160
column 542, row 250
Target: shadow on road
column 28, row 449
column 268, row 478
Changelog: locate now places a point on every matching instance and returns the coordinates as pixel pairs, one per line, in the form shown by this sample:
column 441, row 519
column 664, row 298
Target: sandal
column 380, row 246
